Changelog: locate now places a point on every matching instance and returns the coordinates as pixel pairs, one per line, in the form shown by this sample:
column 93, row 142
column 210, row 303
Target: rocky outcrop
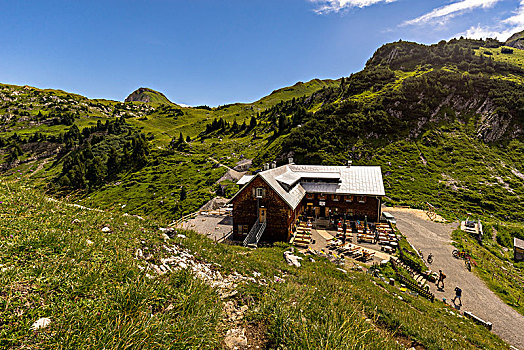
column 516, row 41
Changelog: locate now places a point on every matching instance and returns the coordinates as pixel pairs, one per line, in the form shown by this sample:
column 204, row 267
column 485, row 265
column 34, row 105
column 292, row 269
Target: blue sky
column 215, row 52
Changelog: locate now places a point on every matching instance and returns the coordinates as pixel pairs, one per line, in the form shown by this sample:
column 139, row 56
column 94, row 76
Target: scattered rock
column 76, row 222
column 181, row 236
column 235, row 338
column 106, row 229
column 41, row 323
column 292, row 259
column 89, row 242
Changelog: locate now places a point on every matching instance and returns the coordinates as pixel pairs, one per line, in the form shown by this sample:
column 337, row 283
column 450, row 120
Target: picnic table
column 367, row 255
column 366, row 237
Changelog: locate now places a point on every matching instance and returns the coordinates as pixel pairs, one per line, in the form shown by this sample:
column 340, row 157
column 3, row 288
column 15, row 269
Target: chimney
column 290, row 160
column 349, row 163
column 273, row 165
column 266, row 166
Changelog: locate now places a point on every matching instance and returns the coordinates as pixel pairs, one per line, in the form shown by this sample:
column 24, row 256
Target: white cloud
column 327, row 6
column 501, row 31
column 442, row 14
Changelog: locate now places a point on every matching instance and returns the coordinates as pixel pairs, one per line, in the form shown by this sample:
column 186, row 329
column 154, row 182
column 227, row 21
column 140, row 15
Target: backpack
column 442, row 275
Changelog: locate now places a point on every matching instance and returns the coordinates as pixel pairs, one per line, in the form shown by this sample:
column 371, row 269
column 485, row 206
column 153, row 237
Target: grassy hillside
column 106, row 290
column 444, row 122
column 43, row 130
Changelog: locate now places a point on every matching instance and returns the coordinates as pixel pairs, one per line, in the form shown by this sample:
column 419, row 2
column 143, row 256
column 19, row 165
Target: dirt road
column 432, row 237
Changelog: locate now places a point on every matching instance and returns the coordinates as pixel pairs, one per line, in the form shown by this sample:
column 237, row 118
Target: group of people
column 458, row 291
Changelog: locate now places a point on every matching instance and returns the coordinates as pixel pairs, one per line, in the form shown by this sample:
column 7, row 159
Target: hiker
column 458, row 294
column 441, row 277
column 344, row 229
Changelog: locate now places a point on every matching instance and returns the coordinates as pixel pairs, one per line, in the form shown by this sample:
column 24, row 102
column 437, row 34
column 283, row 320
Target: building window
column 242, row 229
column 322, row 196
column 362, row 199
column 259, row 192
column 336, row 198
column 310, row 196
column 349, row 198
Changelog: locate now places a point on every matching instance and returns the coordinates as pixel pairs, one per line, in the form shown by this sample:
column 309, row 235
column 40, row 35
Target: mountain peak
column 147, row 95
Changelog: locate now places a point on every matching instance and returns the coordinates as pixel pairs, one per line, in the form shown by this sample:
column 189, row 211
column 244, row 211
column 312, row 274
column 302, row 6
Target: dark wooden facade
column 354, row 207
column 280, row 217
column 247, row 208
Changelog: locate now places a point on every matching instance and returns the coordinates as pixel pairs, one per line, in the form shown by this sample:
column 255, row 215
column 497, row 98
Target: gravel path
column 435, row 238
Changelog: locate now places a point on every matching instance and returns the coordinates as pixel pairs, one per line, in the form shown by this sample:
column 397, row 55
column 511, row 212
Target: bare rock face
column 516, row 41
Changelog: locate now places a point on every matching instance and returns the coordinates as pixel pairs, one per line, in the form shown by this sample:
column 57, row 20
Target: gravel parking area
column 213, row 226
column 432, row 237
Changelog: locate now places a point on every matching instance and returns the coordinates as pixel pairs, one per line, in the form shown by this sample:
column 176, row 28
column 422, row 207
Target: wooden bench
column 363, row 237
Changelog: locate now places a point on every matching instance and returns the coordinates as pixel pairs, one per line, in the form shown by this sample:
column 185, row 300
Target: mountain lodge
column 270, row 203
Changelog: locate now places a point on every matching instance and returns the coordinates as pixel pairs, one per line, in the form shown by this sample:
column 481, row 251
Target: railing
column 411, row 284
column 252, row 233
column 260, row 231
column 255, row 234
column 184, row 218
column 224, row 237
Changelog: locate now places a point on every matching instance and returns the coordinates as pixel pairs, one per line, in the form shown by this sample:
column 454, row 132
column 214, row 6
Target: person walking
column 441, row 277
column 458, row 294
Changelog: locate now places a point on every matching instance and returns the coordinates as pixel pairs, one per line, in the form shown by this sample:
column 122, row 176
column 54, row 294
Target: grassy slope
column 95, row 294
column 97, row 297
column 194, row 120
column 157, row 97
column 152, row 191
column 516, row 58
column 155, row 190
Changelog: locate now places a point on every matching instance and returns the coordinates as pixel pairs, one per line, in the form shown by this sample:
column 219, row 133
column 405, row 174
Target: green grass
column 155, row 190
column 97, row 296
column 453, row 171
column 516, row 58
column 495, row 266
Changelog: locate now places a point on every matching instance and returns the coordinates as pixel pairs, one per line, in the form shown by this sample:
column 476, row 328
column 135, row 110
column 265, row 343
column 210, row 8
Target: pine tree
column 252, row 123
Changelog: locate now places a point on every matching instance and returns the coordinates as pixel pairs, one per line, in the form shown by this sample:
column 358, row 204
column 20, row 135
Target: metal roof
column 359, row 180
column 518, row 243
column 318, row 175
column 353, row 180
column 245, row 179
column 289, row 178
column 313, row 187
column 295, row 194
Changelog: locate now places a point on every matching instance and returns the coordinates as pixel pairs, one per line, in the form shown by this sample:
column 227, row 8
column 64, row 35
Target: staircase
column 253, row 237
column 420, row 278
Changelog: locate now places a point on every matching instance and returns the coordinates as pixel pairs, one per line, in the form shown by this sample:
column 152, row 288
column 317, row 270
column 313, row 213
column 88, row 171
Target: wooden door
column 262, row 214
